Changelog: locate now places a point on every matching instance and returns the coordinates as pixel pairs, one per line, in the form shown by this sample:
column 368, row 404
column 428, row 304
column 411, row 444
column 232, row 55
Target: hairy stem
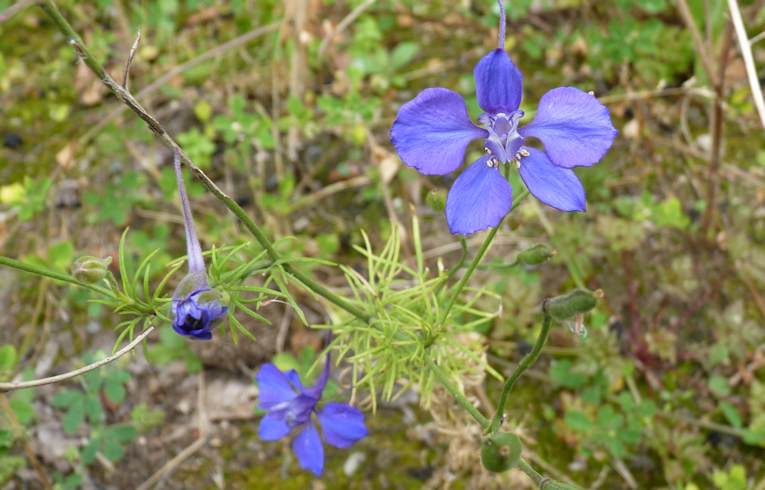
column 443, row 378
column 543, row 482
column 527, row 361
column 43, row 271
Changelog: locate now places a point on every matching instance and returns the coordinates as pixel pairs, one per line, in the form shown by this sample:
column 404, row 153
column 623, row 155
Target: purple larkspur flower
column 293, row 408
column 432, row 132
column 196, row 306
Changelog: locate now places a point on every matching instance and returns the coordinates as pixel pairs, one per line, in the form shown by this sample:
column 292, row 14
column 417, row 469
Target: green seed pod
column 535, row 255
column 436, row 199
column 91, row 269
column 569, row 305
column 500, row 452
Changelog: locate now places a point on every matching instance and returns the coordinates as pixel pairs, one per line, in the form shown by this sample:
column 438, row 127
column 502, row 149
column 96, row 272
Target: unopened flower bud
column 570, row 305
column 91, row 269
column 436, row 199
column 500, row 452
column 196, row 307
column 535, row 255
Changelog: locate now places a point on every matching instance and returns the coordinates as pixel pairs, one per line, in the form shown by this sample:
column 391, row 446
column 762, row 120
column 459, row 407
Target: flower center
column 504, row 143
column 298, row 410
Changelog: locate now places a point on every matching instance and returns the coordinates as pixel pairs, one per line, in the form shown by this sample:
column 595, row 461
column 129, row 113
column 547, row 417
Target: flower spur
column 196, row 307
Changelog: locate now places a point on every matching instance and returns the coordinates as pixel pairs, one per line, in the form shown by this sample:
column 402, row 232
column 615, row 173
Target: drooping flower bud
column 91, row 269
column 500, row 452
column 569, row 305
column 535, row 255
column 196, row 307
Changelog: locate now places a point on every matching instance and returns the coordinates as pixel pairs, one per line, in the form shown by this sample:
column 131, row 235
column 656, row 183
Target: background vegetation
column 287, row 106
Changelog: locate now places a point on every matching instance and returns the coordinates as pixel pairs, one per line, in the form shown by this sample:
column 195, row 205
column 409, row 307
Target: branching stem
column 477, row 260
column 127, row 98
column 59, row 276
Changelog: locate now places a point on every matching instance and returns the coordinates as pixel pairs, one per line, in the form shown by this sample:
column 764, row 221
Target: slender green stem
column 543, row 482
column 527, row 361
column 52, row 10
column 443, row 378
column 42, row 271
column 469, row 272
column 477, row 260
column 457, row 266
column 263, row 240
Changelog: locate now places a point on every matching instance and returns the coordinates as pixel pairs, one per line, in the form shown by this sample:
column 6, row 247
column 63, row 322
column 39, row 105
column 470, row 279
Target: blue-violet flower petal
column 574, row 126
column 342, row 425
column 309, row 450
column 555, row 186
column 479, row 198
column 498, row 83
column 432, row 131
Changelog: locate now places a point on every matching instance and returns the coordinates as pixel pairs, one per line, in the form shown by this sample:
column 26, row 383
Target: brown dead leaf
column 65, row 156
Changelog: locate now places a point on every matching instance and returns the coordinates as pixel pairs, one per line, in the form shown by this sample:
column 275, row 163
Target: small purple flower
column 195, row 306
column 196, row 311
column 432, row 131
column 291, row 406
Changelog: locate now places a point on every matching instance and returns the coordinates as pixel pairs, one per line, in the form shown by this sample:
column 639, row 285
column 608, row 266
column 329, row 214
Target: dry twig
column 343, row 25
column 17, row 385
column 204, row 432
column 42, row 475
column 131, row 55
column 746, row 52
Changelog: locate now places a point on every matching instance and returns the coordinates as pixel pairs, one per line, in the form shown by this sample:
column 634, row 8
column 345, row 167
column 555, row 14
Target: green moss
column 390, row 455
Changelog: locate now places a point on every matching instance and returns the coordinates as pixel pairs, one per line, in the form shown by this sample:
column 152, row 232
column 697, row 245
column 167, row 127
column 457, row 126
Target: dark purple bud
column 196, row 307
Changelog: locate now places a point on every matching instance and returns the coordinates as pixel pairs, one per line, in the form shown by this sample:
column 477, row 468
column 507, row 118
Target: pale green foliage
column 242, row 276
column 406, row 307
